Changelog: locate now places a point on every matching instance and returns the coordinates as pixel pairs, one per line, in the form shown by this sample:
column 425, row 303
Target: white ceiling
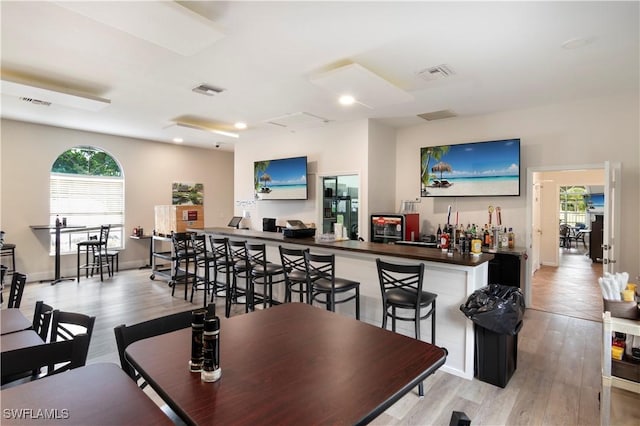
column 505, row 55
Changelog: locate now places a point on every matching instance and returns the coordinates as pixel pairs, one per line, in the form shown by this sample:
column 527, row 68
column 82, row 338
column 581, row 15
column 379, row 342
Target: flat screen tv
column 478, row 169
column 281, row 179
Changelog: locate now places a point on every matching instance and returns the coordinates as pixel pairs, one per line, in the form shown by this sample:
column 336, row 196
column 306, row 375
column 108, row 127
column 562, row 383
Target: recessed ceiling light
column 178, row 140
column 240, row 125
column 346, row 100
column 575, row 43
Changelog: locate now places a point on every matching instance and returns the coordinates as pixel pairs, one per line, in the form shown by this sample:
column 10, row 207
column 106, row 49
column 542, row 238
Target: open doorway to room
column 565, row 212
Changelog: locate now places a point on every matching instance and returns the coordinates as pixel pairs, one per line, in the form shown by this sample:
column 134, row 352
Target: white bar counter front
column 452, row 278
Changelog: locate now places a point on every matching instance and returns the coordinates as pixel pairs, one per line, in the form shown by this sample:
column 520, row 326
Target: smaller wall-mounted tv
column 281, row 179
column 478, row 169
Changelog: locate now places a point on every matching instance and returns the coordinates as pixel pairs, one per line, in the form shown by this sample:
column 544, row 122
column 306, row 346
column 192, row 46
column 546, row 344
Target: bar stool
column 241, row 271
column 183, row 258
column 322, row 282
column 8, row 250
column 221, row 265
column 204, row 261
column 263, row 272
column 98, row 248
column 295, row 273
column 401, row 287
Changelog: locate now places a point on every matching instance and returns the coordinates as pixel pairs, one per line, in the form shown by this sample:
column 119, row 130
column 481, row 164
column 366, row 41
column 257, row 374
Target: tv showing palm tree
column 281, row 179
column 478, row 169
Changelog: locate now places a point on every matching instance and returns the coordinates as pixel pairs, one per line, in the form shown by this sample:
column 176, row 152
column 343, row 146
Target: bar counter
column 452, row 278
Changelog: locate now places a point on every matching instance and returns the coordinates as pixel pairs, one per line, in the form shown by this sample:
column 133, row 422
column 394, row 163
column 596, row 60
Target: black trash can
column 497, row 313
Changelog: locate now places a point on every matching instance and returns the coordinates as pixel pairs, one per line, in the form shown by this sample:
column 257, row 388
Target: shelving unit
column 610, row 324
column 161, row 258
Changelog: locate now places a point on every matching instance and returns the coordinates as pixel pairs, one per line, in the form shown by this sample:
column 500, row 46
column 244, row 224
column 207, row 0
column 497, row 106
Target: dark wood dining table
column 289, row 364
column 12, row 320
column 19, row 340
column 97, row 394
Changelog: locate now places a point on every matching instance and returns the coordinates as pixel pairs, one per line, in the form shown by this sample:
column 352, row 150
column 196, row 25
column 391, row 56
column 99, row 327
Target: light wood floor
column 571, row 289
column 556, row 383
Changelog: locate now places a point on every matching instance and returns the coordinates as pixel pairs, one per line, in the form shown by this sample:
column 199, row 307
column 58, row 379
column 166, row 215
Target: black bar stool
column 323, row 285
column 401, row 287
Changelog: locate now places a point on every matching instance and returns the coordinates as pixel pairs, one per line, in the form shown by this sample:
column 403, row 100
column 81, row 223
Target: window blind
column 87, row 200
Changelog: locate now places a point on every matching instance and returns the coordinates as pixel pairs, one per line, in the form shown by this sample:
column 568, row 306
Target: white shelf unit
column 610, row 324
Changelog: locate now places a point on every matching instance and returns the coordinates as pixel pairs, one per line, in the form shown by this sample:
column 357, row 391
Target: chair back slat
column 42, row 319
column 17, row 288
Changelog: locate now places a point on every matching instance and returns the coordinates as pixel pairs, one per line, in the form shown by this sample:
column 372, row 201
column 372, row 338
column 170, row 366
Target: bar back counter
column 452, row 278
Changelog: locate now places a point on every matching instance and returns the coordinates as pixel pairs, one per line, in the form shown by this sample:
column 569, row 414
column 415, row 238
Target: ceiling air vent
column 205, row 89
column 435, row 73
column 438, row 115
column 36, row 101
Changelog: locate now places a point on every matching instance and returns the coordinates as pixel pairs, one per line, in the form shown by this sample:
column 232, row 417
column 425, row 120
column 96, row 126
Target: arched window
column 87, row 188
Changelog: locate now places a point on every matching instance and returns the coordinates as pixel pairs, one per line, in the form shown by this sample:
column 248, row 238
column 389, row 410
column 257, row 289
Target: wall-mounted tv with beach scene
column 478, row 169
column 281, row 179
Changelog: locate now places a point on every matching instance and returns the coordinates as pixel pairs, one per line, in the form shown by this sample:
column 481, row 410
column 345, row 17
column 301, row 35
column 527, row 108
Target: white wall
column 382, row 169
column 335, row 149
column 28, row 152
column 569, row 134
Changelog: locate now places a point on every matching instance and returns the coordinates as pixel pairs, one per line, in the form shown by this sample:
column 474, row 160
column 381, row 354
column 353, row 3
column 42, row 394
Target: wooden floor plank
column 556, row 382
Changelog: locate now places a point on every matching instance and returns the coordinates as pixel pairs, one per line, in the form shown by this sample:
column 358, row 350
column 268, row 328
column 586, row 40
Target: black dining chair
column 324, row 286
column 401, row 287
column 18, row 281
column 128, row 334
column 295, row 272
column 57, row 356
column 67, row 325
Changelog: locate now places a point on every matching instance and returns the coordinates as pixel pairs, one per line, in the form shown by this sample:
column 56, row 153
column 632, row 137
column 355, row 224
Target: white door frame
column 529, row 216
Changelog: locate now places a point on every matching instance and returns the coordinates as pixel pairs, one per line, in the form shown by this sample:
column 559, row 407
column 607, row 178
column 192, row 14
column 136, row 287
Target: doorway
column 562, row 278
column 341, row 204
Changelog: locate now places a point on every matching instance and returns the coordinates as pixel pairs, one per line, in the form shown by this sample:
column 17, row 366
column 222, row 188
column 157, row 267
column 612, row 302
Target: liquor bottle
column 512, row 238
column 505, row 238
column 438, row 235
column 486, row 236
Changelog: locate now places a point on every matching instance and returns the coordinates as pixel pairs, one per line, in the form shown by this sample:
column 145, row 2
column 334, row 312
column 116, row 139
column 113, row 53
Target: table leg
column 57, row 278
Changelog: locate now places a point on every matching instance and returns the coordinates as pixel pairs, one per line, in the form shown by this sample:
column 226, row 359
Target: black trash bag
column 496, row 307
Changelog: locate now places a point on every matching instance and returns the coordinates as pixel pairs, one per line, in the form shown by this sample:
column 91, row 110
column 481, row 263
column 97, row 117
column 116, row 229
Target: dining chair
column 96, row 246
column 57, row 356
column 203, row 261
column 263, row 272
column 42, row 319
column 221, row 265
column 295, row 272
column 18, row 281
column 401, row 288
column 324, row 286
column 128, row 334
column 67, row 325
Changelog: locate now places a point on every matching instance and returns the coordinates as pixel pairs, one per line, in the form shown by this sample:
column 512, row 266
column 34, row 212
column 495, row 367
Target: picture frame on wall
column 187, row 194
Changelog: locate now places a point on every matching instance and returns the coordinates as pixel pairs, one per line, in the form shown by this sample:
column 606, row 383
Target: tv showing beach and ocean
column 282, row 179
column 471, row 169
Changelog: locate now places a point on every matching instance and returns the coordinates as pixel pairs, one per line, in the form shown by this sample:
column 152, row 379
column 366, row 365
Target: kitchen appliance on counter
column 393, row 227
column 297, row 229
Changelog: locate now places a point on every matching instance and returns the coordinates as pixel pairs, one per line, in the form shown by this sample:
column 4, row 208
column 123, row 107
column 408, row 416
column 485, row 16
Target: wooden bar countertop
column 403, row 251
